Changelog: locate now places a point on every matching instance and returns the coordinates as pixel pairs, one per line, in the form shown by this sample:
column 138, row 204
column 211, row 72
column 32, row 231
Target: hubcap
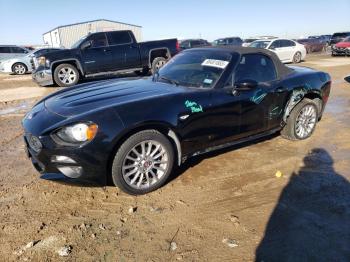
column 306, row 121
column 297, row 57
column 145, row 164
column 20, row 69
column 67, row 75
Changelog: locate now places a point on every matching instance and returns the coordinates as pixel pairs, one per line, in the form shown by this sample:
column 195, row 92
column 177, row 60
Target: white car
column 23, row 64
column 286, row 50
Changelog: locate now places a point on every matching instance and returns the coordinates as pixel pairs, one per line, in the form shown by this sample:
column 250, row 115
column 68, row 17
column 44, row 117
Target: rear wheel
column 66, row 75
column 143, row 163
column 19, row 69
column 301, row 122
column 157, row 63
column 297, row 57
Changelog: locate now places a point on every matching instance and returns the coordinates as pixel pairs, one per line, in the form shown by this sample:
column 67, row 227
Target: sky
column 24, row 22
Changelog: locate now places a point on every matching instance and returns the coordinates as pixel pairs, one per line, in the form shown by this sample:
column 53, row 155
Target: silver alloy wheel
column 145, row 164
column 160, row 63
column 306, row 121
column 297, row 57
column 20, row 69
column 67, row 75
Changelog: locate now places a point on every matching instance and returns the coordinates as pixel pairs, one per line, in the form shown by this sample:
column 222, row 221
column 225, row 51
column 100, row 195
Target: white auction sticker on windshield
column 215, row 63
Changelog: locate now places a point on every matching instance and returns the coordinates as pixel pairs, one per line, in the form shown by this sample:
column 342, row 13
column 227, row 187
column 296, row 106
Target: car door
column 97, row 57
column 125, row 51
column 290, row 49
column 277, row 47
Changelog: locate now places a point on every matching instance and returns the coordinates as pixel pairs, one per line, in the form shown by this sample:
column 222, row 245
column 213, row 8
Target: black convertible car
column 135, row 132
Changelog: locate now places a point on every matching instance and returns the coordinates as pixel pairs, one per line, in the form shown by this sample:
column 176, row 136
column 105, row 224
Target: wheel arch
column 162, row 127
column 298, row 95
column 158, row 52
column 73, row 61
column 19, row 62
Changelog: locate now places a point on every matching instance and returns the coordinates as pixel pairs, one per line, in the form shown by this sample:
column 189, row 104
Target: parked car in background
column 135, row 133
column 228, row 41
column 21, row 65
column 286, row 50
column 248, row 41
column 312, row 44
column 342, row 48
column 11, row 51
column 192, row 43
column 101, row 53
column 338, row 37
column 323, row 38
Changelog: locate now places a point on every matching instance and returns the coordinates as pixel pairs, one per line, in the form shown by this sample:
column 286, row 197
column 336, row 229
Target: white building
column 66, row 35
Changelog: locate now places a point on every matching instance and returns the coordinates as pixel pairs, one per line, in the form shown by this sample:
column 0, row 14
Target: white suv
column 286, row 50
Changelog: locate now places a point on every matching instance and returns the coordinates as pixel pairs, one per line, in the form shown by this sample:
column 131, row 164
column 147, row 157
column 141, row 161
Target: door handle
column 107, row 50
column 281, row 89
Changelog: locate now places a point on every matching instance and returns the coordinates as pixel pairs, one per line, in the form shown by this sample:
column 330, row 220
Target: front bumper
column 43, row 77
column 80, row 165
column 340, row 51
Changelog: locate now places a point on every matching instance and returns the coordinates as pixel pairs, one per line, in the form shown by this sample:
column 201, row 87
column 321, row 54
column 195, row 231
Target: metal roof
column 91, row 21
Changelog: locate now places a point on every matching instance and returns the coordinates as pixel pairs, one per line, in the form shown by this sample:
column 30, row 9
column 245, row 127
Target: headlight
column 43, row 61
column 77, row 134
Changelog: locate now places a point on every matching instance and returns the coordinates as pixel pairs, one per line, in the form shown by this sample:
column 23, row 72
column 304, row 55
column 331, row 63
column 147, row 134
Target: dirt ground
column 224, row 206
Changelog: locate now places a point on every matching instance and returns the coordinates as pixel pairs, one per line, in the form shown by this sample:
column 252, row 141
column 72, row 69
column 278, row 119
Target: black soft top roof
column 282, row 70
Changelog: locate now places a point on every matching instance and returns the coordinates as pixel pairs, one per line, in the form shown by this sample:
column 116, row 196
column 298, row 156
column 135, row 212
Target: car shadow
column 311, row 221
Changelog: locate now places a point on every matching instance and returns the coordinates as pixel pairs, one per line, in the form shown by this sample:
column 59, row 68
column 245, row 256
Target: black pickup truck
column 101, row 53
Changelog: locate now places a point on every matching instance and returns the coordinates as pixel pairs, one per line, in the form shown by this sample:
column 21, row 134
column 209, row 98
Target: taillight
column 177, row 46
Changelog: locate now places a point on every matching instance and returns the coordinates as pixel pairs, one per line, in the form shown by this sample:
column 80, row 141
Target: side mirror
column 272, row 48
column 85, row 45
column 245, row 85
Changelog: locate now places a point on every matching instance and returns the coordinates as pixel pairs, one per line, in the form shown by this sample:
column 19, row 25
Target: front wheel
column 19, row 69
column 297, row 57
column 301, row 122
column 143, row 163
column 66, row 75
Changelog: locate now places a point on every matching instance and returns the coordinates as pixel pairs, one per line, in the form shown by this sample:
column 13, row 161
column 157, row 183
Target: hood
column 343, row 44
column 99, row 95
column 59, row 54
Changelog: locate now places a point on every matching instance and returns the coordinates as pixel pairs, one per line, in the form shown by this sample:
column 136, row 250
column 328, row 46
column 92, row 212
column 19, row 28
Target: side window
column 98, row 40
column 18, row 50
column 275, row 44
column 255, row 67
column 5, row 49
column 287, row 43
column 119, row 38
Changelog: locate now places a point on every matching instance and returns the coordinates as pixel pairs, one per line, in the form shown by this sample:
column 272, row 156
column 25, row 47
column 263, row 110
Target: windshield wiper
column 171, row 81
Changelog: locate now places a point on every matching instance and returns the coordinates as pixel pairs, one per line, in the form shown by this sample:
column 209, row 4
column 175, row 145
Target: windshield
column 77, row 44
column 249, row 40
column 220, row 42
column 347, row 39
column 197, row 68
column 260, row 44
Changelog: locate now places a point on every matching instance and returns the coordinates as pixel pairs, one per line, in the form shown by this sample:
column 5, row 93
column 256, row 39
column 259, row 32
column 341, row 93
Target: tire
column 143, row 72
column 66, row 75
column 297, row 57
column 157, row 63
column 138, row 174
column 290, row 130
column 19, row 69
